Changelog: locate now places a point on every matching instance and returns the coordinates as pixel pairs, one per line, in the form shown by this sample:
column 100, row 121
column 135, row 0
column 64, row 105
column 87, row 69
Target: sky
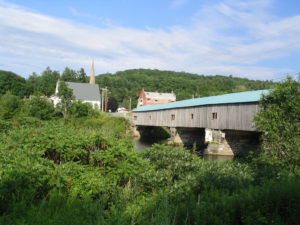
column 256, row 39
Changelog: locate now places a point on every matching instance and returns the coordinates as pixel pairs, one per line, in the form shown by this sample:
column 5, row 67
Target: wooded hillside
column 127, row 84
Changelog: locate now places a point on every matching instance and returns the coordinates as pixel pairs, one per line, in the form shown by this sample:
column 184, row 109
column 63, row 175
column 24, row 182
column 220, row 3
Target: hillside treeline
column 38, row 84
column 127, row 84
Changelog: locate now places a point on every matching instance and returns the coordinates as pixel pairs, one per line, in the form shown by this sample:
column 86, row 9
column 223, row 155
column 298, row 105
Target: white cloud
column 31, row 41
column 178, row 3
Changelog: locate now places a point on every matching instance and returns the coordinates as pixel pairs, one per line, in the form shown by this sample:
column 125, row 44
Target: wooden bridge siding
column 230, row 116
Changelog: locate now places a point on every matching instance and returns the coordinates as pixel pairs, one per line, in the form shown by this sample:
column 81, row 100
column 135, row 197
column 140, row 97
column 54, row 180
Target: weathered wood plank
column 229, row 116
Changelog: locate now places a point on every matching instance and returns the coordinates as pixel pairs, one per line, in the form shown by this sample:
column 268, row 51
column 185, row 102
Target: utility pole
column 129, row 108
column 104, row 99
column 101, row 100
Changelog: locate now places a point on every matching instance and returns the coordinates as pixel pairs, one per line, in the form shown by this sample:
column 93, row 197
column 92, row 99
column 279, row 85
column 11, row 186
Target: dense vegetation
column 85, row 170
column 279, row 120
column 127, row 84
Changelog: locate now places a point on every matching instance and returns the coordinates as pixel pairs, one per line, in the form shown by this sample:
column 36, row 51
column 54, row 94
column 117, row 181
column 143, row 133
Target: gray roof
column 160, row 95
column 85, row 91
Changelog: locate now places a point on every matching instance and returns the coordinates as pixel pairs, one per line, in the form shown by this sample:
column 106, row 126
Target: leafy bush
column 79, row 109
column 173, row 167
column 40, row 108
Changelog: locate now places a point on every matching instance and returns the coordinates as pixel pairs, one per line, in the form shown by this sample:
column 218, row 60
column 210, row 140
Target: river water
column 141, row 145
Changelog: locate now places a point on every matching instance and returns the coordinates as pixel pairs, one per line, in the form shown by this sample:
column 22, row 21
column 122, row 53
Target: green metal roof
column 241, row 97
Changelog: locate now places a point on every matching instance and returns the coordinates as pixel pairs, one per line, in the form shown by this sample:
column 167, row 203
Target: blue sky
column 257, row 39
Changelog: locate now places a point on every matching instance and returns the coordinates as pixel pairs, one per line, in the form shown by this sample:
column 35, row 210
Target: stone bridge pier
column 188, row 137
column 216, row 142
column 208, row 141
column 230, row 142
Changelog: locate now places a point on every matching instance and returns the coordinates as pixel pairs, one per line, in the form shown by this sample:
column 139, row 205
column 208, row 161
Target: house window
column 173, row 117
column 148, row 100
column 135, row 117
column 214, row 116
column 192, row 116
column 150, row 117
column 155, row 100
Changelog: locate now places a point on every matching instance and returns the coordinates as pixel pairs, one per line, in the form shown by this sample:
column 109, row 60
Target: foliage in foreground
column 69, row 173
column 279, row 120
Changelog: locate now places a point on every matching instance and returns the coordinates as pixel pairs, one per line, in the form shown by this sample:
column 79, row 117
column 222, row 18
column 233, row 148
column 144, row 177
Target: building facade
column 153, row 98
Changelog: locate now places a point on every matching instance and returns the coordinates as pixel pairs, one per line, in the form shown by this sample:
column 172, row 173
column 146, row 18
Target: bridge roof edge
column 240, row 97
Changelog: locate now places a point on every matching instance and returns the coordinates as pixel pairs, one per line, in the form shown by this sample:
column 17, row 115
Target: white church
column 86, row 92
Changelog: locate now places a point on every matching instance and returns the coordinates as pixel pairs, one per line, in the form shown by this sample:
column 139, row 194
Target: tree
column 69, row 75
column 66, row 96
column 82, row 77
column 12, row 82
column 40, row 107
column 8, row 105
column 112, row 104
column 279, row 120
column 44, row 84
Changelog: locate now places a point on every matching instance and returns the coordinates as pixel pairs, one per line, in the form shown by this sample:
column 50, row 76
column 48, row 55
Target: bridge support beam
column 230, row 142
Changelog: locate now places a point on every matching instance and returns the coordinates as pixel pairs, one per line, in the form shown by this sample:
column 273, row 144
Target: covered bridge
column 229, row 114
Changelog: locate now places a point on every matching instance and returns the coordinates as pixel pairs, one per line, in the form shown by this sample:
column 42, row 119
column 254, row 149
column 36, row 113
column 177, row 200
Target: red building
column 152, row 98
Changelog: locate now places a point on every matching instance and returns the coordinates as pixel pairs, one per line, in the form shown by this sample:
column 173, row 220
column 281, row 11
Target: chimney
column 92, row 77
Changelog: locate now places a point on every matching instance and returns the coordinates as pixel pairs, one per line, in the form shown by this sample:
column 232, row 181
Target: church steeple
column 92, row 77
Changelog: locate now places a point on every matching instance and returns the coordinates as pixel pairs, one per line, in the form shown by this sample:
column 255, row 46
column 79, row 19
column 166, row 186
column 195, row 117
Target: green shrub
column 40, row 108
column 79, row 109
